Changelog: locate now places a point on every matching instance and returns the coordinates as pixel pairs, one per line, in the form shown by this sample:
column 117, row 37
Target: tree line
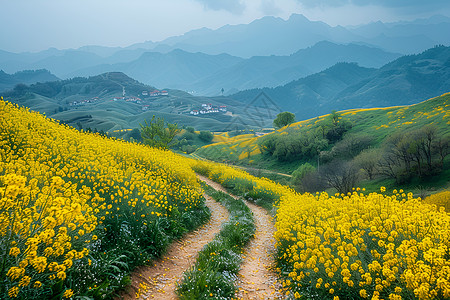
column 416, row 155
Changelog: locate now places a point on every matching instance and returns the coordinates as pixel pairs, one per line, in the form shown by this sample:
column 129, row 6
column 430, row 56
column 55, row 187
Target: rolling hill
column 176, row 69
column 9, row 81
column 97, row 102
column 272, row 71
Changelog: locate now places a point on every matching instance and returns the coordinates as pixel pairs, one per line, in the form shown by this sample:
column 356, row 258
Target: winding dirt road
column 257, row 280
column 159, row 281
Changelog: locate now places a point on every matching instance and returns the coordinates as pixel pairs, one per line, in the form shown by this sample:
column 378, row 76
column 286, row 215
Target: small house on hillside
column 155, row 93
column 207, row 106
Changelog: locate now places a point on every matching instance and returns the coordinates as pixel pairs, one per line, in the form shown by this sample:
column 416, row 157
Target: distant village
column 209, row 109
column 137, row 100
column 145, row 96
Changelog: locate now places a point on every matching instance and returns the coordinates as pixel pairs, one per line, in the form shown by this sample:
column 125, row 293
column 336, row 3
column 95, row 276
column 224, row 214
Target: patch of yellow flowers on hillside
column 57, row 185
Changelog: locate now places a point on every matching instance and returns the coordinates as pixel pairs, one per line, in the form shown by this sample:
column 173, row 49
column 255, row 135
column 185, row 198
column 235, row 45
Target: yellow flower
column 25, row 281
column 14, row 251
column 15, row 273
column 363, row 293
column 68, row 293
column 13, row 292
column 61, row 275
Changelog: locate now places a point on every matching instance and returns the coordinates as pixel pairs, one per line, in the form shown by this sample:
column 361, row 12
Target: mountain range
column 264, row 36
column 406, row 80
column 205, row 74
column 9, row 81
column 265, row 53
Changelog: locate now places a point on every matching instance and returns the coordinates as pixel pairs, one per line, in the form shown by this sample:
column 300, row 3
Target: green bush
column 301, row 172
column 206, row 136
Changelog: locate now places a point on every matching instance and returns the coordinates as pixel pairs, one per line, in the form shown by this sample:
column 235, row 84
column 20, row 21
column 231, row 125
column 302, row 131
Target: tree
column 343, row 176
column 283, row 119
column 368, row 160
column 336, row 127
column 442, row 148
column 159, row 133
column 206, row 136
column 300, row 173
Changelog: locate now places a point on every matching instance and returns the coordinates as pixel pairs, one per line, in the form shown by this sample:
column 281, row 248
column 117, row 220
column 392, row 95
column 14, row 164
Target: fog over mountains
column 267, row 52
column 407, row 80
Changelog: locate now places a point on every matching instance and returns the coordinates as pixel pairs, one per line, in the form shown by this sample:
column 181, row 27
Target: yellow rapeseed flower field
column 61, row 189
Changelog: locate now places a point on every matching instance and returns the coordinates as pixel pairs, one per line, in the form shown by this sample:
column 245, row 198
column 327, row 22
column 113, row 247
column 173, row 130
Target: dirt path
column 158, row 281
column 257, row 280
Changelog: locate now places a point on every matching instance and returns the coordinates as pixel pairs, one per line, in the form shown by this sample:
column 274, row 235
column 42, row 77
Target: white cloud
column 233, row 6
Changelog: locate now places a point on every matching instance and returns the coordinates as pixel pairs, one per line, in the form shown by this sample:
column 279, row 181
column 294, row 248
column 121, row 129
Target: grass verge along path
column 257, row 278
column 214, row 274
column 159, row 280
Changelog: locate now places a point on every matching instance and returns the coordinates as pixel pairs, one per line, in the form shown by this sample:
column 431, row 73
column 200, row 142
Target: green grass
column 379, row 123
column 214, row 273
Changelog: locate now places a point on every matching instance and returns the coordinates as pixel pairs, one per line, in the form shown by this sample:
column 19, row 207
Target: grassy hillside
column 89, row 103
column 375, row 125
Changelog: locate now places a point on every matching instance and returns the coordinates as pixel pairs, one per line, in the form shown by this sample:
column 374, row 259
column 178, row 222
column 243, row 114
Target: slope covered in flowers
column 79, row 211
column 356, row 246
column 377, row 122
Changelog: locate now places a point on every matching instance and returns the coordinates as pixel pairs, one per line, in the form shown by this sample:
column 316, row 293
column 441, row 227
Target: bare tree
column 428, row 134
column 342, row 176
column 368, row 160
column 442, row 148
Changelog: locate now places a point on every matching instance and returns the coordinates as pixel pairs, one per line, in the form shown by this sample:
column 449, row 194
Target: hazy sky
column 34, row 25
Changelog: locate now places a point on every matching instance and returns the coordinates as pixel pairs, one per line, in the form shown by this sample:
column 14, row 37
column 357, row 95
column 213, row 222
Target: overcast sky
column 34, row 25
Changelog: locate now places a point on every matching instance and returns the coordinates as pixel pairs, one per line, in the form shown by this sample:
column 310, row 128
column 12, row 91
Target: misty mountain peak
column 298, row 18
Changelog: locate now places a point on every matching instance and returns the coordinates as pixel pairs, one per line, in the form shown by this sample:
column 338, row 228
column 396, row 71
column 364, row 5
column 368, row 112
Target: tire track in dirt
column 257, row 279
column 159, row 280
